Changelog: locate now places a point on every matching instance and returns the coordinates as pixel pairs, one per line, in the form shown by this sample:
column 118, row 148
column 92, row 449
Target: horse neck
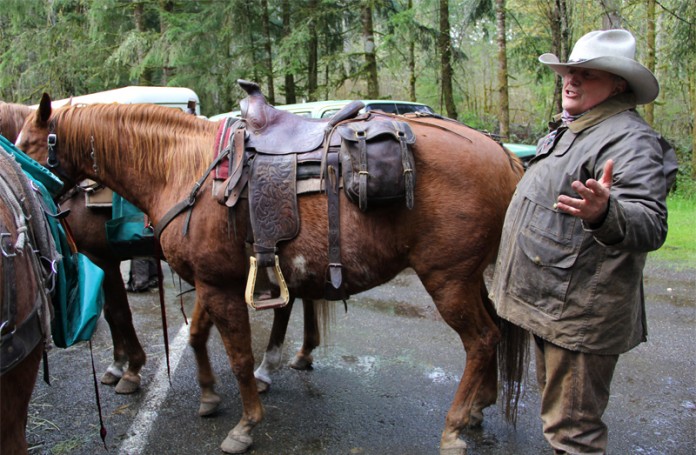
column 143, row 161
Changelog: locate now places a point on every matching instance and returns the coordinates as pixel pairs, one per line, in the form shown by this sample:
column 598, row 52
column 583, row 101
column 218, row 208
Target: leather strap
column 238, row 176
column 363, row 174
column 334, row 289
column 16, row 345
column 409, row 177
column 187, row 203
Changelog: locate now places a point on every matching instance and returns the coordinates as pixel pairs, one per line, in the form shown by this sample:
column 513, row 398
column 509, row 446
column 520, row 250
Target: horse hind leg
column 198, row 339
column 314, row 311
column 462, row 307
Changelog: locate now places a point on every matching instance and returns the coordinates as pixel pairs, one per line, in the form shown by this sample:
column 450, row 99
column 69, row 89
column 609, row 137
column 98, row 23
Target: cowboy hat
column 612, row 51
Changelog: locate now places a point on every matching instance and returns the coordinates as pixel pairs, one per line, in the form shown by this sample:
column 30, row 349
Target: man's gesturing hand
column 593, row 203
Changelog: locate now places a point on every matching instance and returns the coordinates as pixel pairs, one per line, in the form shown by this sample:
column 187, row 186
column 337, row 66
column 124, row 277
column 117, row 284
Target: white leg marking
column 270, row 363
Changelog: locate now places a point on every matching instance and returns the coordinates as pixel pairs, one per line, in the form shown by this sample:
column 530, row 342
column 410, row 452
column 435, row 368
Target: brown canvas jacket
column 577, row 287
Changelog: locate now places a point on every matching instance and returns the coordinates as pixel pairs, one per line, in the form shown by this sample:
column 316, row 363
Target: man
column 576, row 236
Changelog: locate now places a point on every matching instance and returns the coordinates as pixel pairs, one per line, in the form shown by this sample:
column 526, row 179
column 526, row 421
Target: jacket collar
column 612, row 106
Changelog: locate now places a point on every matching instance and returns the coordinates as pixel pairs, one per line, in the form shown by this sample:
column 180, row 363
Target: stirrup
column 271, row 302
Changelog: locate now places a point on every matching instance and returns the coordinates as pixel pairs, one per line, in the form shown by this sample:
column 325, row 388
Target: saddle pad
column 222, row 141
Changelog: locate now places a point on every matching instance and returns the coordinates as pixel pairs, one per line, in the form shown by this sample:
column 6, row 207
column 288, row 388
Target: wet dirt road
column 381, row 384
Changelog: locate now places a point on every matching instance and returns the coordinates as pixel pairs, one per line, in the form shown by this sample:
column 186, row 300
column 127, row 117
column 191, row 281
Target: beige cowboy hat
column 612, row 51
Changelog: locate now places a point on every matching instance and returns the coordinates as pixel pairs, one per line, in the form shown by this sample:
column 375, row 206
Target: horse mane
column 167, row 143
column 12, row 117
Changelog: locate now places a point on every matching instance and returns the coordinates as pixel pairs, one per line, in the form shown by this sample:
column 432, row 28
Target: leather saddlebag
column 377, row 162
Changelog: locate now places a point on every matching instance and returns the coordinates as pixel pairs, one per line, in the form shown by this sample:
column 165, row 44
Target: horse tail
column 326, row 316
column 515, row 162
column 513, row 360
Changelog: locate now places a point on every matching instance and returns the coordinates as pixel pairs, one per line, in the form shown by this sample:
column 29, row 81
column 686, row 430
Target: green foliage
column 74, row 47
column 680, row 248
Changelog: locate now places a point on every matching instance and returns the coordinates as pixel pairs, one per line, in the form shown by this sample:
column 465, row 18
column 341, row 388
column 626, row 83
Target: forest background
column 474, row 60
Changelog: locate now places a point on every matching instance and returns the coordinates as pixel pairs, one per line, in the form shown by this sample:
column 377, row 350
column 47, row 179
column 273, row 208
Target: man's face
column 585, row 88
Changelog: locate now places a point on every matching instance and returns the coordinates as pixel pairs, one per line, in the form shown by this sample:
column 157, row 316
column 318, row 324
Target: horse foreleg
column 461, row 306
column 127, row 348
column 231, row 317
column 198, row 339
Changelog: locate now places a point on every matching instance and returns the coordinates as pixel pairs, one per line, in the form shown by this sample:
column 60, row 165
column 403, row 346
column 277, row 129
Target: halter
column 54, row 164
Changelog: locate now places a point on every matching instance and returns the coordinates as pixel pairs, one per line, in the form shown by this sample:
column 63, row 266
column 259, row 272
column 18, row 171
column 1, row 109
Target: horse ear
column 44, row 112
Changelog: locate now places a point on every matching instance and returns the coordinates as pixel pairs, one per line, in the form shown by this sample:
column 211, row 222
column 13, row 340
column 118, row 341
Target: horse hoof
column 302, row 362
column 263, row 381
column 453, row 447
column 453, row 451
column 209, row 405
column 236, row 443
column 109, row 378
column 262, row 386
column 128, row 384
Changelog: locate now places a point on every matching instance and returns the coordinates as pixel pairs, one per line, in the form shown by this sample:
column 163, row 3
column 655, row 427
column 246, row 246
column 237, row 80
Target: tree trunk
column 167, row 71
column 558, row 17
column 145, row 77
column 650, row 62
column 411, row 62
column 444, row 46
column 252, row 42
column 369, row 49
column 313, row 53
column 265, row 24
column 504, row 106
column 290, row 97
column 692, row 94
column 612, row 14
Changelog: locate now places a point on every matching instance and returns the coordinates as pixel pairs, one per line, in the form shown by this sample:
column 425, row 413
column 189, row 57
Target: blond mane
column 168, row 144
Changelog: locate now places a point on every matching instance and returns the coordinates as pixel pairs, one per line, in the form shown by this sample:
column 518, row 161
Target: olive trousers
column 574, row 388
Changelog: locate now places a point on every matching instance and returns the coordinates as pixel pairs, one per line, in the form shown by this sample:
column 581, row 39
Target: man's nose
column 573, row 78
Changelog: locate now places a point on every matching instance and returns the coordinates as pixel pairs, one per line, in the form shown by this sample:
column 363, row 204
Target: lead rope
column 163, row 308
column 102, row 428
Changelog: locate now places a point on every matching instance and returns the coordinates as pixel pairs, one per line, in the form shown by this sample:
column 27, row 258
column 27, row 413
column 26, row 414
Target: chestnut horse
column 153, row 155
column 87, row 225
column 26, row 261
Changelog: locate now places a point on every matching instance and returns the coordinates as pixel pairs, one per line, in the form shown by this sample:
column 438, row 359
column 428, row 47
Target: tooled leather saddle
column 269, row 156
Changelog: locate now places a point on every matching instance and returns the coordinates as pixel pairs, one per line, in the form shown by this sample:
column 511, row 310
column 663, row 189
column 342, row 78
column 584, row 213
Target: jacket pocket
column 543, row 260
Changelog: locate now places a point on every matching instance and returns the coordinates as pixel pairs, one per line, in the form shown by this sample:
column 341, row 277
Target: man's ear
column 620, row 86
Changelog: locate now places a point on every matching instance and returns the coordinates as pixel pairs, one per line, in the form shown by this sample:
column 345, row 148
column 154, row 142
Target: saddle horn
column 252, row 88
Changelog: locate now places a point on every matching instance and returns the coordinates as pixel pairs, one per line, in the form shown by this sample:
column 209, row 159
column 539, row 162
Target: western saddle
column 269, row 152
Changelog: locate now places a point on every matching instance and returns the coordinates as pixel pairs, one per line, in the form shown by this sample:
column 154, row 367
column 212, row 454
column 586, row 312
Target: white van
column 178, row 97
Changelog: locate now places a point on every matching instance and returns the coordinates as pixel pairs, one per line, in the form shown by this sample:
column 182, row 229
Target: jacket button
column 537, row 260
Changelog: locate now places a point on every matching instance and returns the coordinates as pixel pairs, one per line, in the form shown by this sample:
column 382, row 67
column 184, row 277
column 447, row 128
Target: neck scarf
column 566, row 118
